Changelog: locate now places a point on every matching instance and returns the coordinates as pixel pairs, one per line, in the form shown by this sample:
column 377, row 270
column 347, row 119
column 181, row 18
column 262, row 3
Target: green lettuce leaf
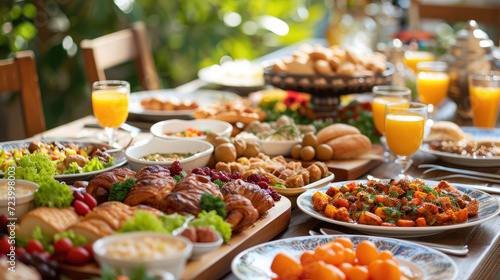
column 211, row 219
column 51, row 193
column 143, row 221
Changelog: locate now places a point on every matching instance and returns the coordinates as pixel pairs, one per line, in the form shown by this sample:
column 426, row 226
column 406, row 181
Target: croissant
column 100, row 186
column 186, row 195
column 153, row 184
column 114, row 213
column 240, row 213
column 261, row 199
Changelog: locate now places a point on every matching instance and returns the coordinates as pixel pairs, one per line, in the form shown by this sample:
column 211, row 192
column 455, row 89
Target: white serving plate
column 222, row 128
column 416, row 261
column 477, row 134
column 119, row 158
column 203, row 97
column 489, row 207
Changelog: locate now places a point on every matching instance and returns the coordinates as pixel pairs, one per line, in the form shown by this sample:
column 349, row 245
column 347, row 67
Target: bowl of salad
column 190, row 129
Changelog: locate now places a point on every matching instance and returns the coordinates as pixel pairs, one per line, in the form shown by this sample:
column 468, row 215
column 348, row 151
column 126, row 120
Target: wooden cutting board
column 351, row 169
column 217, row 263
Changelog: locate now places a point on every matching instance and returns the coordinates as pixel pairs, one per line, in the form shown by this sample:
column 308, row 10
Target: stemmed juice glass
column 383, row 95
column 433, row 83
column 110, row 104
column 404, row 131
column 484, row 93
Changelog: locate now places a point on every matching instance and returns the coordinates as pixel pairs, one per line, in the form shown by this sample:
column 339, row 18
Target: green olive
column 324, row 152
column 307, row 153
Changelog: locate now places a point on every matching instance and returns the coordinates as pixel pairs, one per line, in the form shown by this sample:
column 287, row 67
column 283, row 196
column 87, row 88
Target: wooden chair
column 116, row 48
column 19, row 75
column 451, row 13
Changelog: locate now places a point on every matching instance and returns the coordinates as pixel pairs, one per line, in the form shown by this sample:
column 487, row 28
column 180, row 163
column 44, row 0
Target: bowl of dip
column 158, row 253
column 190, row 129
column 22, row 191
column 189, row 153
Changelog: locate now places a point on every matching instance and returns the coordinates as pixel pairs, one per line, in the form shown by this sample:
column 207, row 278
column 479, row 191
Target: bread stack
column 346, row 141
column 333, row 60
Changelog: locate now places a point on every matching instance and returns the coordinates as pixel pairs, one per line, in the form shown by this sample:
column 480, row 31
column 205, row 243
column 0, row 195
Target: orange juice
column 484, row 104
column 378, row 109
column 413, row 57
column 110, row 107
column 432, row 87
column 404, row 132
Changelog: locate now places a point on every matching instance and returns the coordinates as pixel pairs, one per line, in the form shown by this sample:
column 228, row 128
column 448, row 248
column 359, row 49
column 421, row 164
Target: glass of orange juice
column 110, row 104
column 484, row 94
column 433, row 83
column 383, row 95
column 404, row 131
column 412, row 58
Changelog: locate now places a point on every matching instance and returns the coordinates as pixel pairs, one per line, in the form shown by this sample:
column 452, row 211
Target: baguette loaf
column 50, row 221
column 335, row 130
column 446, row 131
column 349, row 146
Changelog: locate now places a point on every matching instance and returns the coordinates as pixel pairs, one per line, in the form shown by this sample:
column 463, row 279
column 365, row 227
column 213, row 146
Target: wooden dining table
column 481, row 263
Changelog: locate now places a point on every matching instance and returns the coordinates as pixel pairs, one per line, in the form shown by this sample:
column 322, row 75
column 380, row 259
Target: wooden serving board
column 351, row 169
column 217, row 263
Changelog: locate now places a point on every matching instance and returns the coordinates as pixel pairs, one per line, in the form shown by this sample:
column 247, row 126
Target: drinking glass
column 383, row 95
column 412, row 58
column 433, row 83
column 404, row 131
column 484, row 93
column 110, row 104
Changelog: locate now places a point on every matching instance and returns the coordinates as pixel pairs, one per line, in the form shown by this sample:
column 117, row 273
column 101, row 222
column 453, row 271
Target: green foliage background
column 186, row 35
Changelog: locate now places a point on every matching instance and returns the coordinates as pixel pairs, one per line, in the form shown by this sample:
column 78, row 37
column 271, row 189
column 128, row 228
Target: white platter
column 416, row 261
column 203, row 97
column 119, row 158
column 489, row 207
column 477, row 134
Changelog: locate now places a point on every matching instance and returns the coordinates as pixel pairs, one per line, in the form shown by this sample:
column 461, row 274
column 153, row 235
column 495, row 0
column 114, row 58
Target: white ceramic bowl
column 173, row 263
column 173, row 126
column 276, row 148
column 201, row 149
column 201, row 248
column 24, row 203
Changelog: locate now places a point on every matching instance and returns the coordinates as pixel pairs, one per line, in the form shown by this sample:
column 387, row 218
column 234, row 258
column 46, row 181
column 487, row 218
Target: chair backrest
column 19, row 75
column 451, row 13
column 119, row 47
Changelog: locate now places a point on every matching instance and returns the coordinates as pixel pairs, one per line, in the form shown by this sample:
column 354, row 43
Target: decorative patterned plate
column 489, row 207
column 119, row 158
column 203, row 97
column 477, row 134
column 416, row 261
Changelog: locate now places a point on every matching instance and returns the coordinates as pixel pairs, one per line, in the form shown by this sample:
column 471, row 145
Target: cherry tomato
column 5, row 245
column 34, row 246
column 77, row 195
column 89, row 249
column 90, row 201
column 78, row 255
column 81, row 208
column 20, row 251
column 63, row 246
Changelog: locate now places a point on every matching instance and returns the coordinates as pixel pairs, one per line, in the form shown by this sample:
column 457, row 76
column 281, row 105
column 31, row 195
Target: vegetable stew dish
column 401, row 203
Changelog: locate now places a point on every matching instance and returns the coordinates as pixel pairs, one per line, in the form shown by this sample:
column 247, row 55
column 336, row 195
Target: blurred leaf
column 15, row 12
column 29, row 11
column 26, row 30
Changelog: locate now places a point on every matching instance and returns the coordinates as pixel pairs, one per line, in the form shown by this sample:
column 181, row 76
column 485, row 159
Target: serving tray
column 215, row 264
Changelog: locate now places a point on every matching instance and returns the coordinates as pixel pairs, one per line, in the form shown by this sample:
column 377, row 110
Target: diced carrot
column 462, row 215
column 368, row 218
column 421, row 194
column 333, row 190
column 421, row 222
column 320, row 200
column 443, row 199
column 380, row 212
column 405, row 223
column 330, row 211
column 386, row 224
column 431, row 196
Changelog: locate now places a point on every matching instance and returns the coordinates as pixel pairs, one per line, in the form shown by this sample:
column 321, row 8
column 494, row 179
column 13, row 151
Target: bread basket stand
column 326, row 90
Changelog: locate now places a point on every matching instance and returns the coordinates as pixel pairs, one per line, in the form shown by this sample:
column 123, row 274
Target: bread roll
column 349, row 146
column 50, row 221
column 446, row 131
column 335, row 130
